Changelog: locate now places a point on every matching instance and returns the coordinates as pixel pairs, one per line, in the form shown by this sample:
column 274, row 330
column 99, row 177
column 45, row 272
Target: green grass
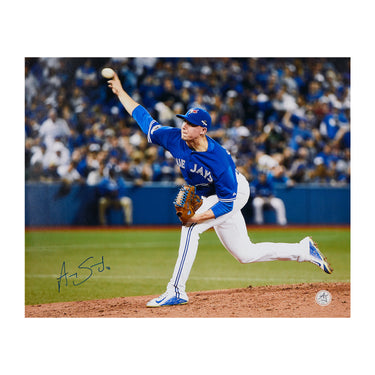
column 141, row 262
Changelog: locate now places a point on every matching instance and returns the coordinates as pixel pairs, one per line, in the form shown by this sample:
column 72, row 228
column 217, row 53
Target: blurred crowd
column 286, row 117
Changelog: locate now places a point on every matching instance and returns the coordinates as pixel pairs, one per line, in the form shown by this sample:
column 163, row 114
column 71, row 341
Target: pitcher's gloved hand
column 186, row 203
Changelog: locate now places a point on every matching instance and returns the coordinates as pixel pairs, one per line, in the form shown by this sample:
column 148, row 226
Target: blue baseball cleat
column 168, row 299
column 317, row 257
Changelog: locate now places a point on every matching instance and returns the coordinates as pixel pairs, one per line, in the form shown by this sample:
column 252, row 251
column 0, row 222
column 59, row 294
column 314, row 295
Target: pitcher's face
column 190, row 132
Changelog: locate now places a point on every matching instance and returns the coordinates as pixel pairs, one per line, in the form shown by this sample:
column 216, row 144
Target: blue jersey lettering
column 180, row 162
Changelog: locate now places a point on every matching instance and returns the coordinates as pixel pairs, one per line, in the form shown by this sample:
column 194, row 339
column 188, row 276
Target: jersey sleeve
column 156, row 133
column 226, row 190
column 143, row 118
column 164, row 136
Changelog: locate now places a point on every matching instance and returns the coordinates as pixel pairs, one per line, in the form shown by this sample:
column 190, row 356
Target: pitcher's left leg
column 186, row 256
column 176, row 294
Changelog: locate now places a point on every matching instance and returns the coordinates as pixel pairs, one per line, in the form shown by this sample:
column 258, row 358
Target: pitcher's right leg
column 233, row 235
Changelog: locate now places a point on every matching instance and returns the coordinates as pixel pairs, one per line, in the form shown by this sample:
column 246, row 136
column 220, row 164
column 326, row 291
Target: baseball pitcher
column 222, row 191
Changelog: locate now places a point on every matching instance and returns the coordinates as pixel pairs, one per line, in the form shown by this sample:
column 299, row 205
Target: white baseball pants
column 232, row 232
column 276, row 203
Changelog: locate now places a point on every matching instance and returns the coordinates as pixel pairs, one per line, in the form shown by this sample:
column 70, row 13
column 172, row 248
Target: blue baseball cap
column 198, row 117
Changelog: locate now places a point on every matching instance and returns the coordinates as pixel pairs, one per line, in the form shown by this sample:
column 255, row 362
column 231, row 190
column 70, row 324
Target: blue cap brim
column 184, row 117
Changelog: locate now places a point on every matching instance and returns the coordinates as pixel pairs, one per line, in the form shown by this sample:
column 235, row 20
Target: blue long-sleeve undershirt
column 221, row 208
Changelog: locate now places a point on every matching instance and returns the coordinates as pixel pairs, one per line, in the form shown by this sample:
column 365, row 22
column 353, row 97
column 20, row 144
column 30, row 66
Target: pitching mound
column 294, row 301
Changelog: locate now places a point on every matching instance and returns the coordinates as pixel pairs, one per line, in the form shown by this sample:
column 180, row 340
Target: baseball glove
column 186, row 203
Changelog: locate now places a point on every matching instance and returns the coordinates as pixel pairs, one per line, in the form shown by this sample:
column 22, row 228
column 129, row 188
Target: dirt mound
column 294, row 301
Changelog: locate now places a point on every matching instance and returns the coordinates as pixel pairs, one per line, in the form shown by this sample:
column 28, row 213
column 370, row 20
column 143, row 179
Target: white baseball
column 108, row 73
